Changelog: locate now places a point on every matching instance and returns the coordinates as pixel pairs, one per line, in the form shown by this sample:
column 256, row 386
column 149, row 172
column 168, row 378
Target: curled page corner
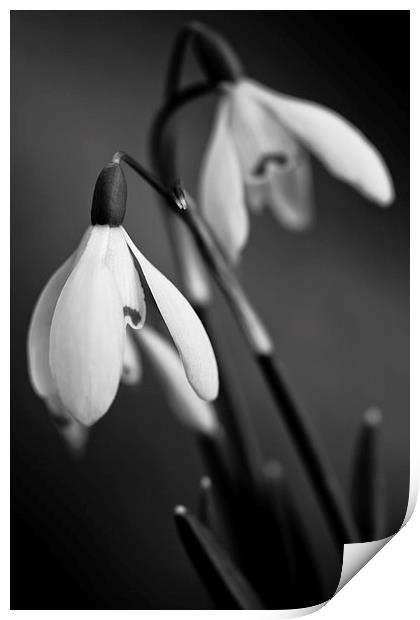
column 357, row 555
column 293, row 613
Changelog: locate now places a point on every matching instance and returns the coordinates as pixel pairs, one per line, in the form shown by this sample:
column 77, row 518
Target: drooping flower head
column 77, row 344
column 258, row 153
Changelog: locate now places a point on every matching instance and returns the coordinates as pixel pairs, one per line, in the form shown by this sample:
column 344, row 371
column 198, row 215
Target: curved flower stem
column 243, row 444
column 176, row 62
column 259, row 342
column 313, row 458
column 161, row 136
column 248, row 465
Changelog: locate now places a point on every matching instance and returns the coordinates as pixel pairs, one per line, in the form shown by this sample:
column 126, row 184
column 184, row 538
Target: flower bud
column 216, row 56
column 109, row 197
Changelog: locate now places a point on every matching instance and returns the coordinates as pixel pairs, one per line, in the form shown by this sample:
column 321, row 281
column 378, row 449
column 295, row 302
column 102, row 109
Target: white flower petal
column 257, row 133
column 221, row 192
column 132, row 366
column 342, row 148
column 87, row 334
column 192, row 411
column 39, row 329
column 121, row 263
column 185, row 327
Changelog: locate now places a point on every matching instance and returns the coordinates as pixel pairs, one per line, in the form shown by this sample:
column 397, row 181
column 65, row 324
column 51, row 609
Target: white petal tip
column 207, row 389
column 387, row 198
column 88, row 415
column 383, row 200
column 381, row 188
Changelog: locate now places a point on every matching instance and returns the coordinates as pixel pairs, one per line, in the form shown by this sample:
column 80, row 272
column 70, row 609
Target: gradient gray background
column 99, row 534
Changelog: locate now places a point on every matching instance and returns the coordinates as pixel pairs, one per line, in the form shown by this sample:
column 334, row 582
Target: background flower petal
column 342, row 148
column 185, row 327
column 220, row 187
column 290, row 194
column 257, row 134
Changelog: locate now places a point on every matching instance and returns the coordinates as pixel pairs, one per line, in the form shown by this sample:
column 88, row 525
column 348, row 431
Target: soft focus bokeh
column 99, row 533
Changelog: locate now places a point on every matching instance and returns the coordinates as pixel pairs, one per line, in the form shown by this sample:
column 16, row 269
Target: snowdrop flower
column 258, row 156
column 77, row 345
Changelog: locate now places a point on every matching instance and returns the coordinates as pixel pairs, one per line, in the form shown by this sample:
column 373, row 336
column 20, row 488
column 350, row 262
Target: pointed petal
column 192, row 411
column 185, row 327
column 132, row 366
column 342, row 148
column 87, row 334
column 122, row 266
column 221, row 192
column 39, row 330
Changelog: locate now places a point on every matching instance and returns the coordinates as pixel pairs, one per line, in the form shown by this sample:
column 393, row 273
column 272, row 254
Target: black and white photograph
column 210, row 304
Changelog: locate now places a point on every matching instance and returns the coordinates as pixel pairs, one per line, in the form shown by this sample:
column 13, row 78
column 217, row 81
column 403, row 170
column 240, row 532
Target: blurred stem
column 307, row 587
column 191, row 269
column 244, row 449
column 317, row 467
column 367, row 484
column 177, row 57
column 239, row 432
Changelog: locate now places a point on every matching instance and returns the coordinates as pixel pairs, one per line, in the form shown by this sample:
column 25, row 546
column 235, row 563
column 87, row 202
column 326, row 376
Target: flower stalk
column 316, row 465
column 261, row 346
column 245, row 448
column 220, row 64
column 193, row 274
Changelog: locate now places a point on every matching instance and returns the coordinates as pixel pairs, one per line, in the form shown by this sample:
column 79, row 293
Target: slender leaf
column 227, row 586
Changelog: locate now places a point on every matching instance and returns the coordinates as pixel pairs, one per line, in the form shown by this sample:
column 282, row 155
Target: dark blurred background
column 99, row 534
